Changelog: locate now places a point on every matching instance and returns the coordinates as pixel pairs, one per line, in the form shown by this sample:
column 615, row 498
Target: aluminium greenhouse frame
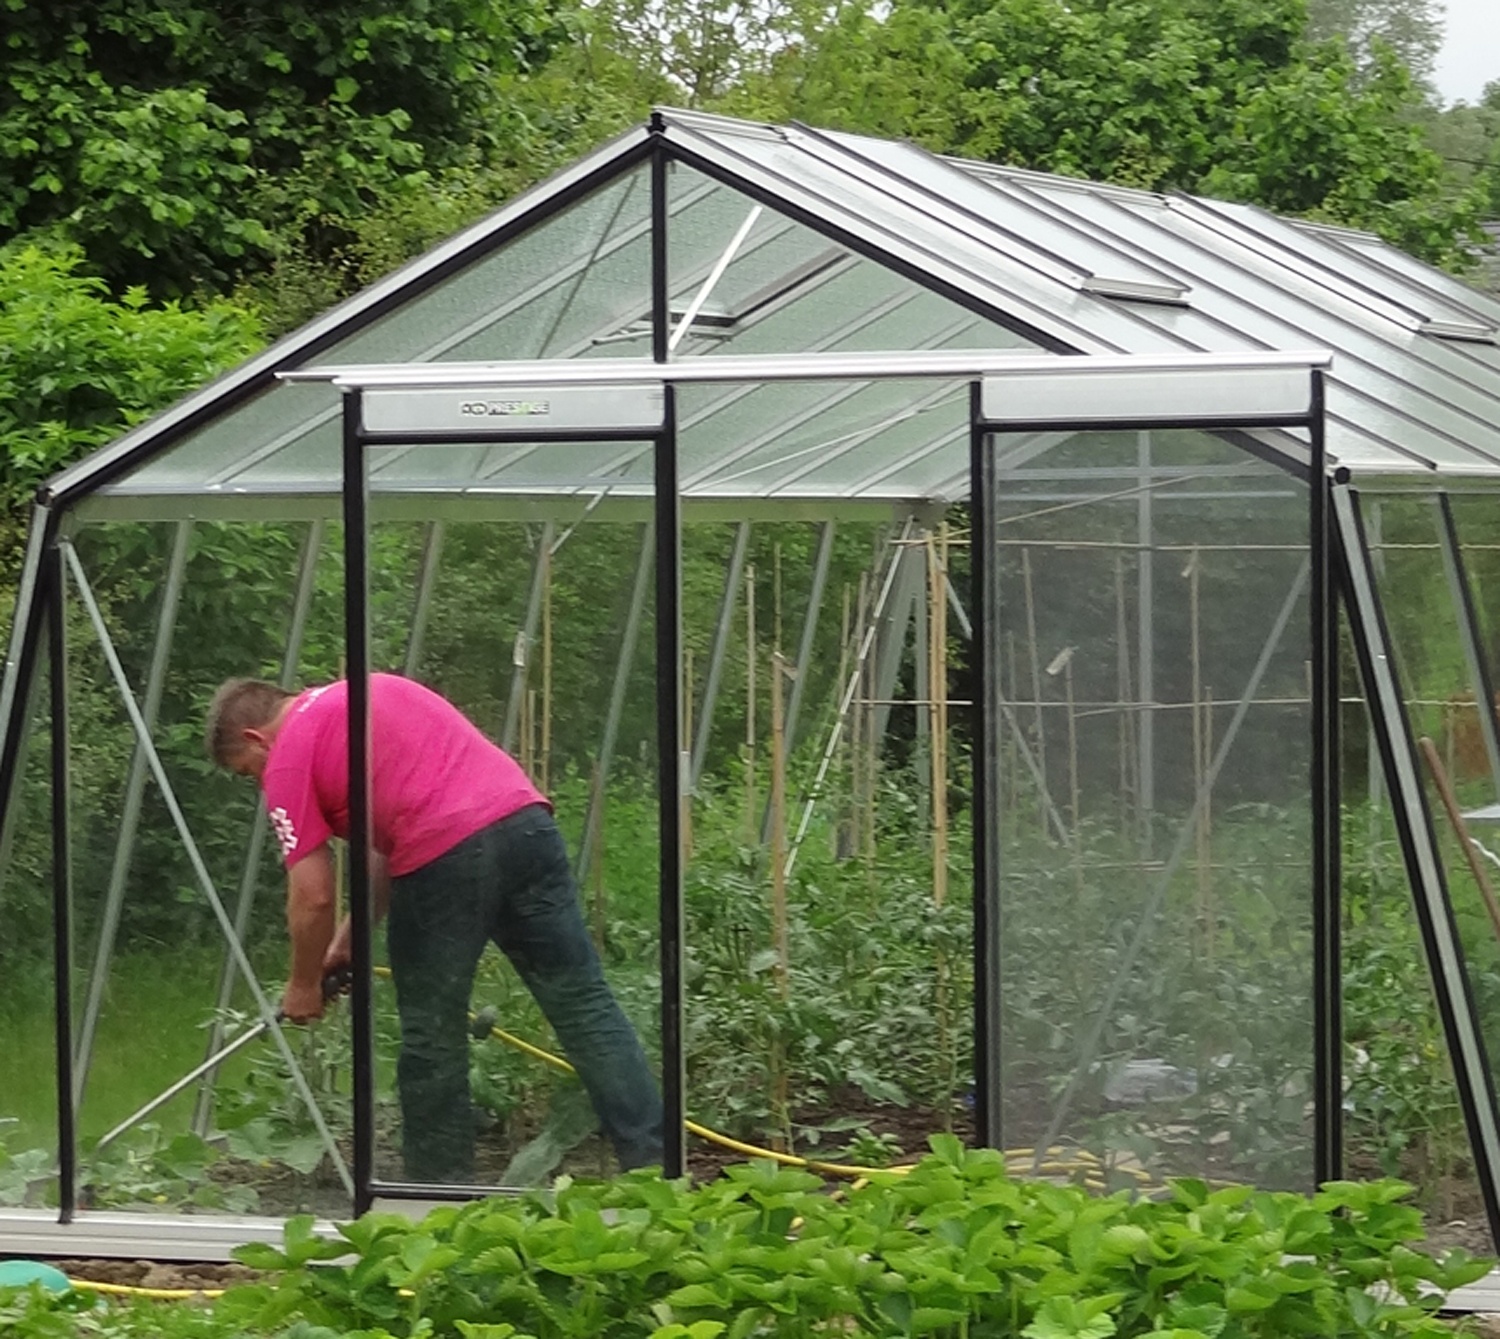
column 103, row 485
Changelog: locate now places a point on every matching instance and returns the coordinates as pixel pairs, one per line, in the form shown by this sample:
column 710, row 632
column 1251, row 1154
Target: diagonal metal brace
column 158, row 772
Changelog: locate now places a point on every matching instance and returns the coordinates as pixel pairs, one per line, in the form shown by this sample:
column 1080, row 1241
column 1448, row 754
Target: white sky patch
column 1470, row 57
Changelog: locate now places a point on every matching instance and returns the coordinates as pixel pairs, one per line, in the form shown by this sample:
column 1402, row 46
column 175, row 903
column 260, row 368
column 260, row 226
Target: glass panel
column 28, row 1097
column 1428, row 646
column 829, row 1012
column 578, row 274
column 1402, row 1115
column 543, row 636
column 761, row 283
column 1477, row 519
column 574, row 286
column 826, row 438
column 1153, row 822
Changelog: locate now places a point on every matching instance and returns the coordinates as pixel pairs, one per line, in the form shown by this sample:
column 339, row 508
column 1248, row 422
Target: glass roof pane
column 945, row 243
column 827, row 435
column 582, row 272
column 1433, row 409
column 1066, row 246
column 759, row 282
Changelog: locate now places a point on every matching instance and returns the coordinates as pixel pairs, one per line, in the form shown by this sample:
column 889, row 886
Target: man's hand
column 302, row 1004
column 340, row 950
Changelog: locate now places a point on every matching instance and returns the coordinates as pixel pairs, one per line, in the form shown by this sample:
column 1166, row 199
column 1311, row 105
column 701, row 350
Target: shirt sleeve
column 292, row 806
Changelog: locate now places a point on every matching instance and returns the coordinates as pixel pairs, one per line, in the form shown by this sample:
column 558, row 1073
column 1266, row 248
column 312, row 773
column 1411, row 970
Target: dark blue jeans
column 512, row 883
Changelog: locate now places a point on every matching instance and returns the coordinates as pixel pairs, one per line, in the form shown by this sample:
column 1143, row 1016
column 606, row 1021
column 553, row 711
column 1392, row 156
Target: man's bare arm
column 311, row 918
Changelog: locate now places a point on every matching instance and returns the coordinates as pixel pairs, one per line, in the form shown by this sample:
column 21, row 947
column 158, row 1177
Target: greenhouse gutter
column 795, row 367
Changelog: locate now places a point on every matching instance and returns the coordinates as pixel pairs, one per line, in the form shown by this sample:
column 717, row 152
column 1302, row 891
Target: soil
column 154, row 1274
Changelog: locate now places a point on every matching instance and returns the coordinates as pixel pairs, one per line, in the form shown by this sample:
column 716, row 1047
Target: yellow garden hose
column 1060, row 1161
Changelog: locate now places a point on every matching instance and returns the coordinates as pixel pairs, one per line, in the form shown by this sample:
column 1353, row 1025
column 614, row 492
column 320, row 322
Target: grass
column 149, row 1035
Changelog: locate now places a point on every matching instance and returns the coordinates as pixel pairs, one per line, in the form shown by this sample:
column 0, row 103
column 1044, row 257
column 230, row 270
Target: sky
column 1470, row 57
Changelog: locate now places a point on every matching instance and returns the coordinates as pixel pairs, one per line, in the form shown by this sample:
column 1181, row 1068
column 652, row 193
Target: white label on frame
column 431, row 411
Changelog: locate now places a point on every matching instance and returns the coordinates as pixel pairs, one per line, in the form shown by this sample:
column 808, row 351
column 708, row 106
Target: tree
column 77, row 367
column 1223, row 97
column 1412, row 29
column 181, row 143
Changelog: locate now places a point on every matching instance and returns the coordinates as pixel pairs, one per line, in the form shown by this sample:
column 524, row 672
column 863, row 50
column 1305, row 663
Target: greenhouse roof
column 784, row 240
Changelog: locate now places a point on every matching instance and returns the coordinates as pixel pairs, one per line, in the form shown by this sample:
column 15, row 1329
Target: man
column 465, row 850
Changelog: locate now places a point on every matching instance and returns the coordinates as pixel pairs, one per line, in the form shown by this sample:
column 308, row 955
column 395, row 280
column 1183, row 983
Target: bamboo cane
column 750, row 657
column 1461, row 829
column 780, row 938
column 1122, row 689
column 1036, row 678
column 544, row 758
column 685, row 790
column 1200, row 761
column 842, row 807
column 596, row 844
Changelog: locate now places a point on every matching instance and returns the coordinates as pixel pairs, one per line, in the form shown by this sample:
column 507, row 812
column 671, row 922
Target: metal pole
column 586, row 852
column 1146, row 644
column 892, row 637
column 1468, row 626
column 851, row 687
column 21, row 684
column 521, row 659
column 821, row 562
column 195, row 858
column 130, row 817
column 716, row 655
column 1185, row 834
column 432, row 552
column 356, row 489
column 984, row 629
column 1445, row 957
column 307, row 570
column 1328, row 1032
column 672, row 768
column 62, row 887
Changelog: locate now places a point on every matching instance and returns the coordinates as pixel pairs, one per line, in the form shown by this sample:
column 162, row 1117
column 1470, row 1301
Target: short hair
column 239, row 704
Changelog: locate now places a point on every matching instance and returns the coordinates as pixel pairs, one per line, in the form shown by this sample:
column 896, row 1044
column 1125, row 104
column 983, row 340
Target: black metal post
column 985, row 733
column 661, row 314
column 672, row 767
column 1327, row 1020
column 361, row 918
column 62, row 886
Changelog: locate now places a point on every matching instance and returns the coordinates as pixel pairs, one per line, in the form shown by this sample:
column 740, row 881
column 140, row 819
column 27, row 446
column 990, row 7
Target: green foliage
column 78, row 367
column 180, row 142
column 1201, row 96
column 955, row 1247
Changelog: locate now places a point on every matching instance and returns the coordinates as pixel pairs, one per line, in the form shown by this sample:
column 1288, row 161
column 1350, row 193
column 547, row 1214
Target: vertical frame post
column 984, row 603
column 20, row 686
column 62, row 884
column 1327, row 1013
column 1468, row 616
column 672, row 769
column 357, row 653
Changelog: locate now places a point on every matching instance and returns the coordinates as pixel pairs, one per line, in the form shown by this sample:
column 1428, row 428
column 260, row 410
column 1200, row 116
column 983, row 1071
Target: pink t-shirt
column 436, row 778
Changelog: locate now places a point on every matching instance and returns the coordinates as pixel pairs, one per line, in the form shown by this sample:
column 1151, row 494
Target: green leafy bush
column 954, row 1248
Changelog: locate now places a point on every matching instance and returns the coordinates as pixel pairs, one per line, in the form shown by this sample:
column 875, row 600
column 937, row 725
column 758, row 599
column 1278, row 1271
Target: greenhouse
column 1010, row 656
